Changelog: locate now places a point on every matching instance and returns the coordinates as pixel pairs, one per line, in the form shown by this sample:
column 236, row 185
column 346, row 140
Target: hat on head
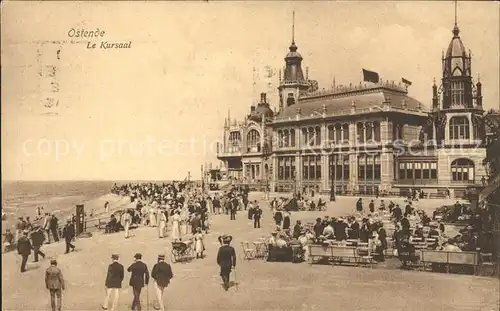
column 115, row 257
column 53, row 262
column 138, row 256
column 227, row 238
column 26, row 231
column 161, row 256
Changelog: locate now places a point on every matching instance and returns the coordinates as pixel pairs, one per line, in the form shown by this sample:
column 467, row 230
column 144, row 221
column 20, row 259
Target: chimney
column 263, row 98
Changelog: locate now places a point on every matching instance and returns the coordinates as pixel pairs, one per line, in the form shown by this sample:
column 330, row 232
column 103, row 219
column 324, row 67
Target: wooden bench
column 344, row 254
column 318, row 250
column 450, row 258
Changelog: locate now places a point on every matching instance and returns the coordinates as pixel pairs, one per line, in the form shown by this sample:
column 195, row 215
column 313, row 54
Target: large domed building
column 364, row 138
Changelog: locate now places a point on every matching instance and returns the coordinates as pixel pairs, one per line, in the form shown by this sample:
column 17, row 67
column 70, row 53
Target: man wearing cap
column 24, row 249
column 54, row 282
column 113, row 283
column 138, row 278
column 226, row 258
column 162, row 274
column 69, row 234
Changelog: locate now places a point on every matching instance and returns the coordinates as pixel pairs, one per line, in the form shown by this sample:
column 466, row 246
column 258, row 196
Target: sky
column 156, row 110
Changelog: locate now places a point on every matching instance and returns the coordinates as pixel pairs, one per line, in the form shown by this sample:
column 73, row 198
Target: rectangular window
column 287, row 168
column 402, row 171
column 346, row 167
column 377, row 168
column 425, row 170
column 409, row 170
column 369, row 167
column 418, row 170
column 433, row 170
column 293, row 172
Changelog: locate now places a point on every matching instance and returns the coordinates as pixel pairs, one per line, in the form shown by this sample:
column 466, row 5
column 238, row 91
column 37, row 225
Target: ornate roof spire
column 293, row 47
column 456, row 31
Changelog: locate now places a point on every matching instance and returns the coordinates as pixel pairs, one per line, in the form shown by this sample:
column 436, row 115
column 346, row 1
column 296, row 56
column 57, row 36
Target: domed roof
column 456, row 47
column 260, row 110
column 293, row 52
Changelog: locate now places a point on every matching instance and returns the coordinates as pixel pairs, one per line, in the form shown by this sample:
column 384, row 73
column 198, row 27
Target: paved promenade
column 261, row 285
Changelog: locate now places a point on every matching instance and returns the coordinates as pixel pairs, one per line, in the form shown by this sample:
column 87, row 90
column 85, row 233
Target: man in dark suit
column 139, row 277
column 54, row 282
column 37, row 237
column 226, row 258
column 113, row 282
column 69, row 234
column 24, row 249
column 162, row 274
column 257, row 214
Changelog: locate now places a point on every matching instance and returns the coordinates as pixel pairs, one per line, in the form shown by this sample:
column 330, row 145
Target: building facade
column 363, row 138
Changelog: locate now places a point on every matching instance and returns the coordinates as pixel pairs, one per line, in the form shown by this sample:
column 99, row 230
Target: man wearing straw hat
column 54, row 282
column 113, row 283
column 162, row 274
column 226, row 258
column 139, row 278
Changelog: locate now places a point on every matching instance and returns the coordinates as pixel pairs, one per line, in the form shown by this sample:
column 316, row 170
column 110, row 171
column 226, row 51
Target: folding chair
column 486, row 262
column 247, row 250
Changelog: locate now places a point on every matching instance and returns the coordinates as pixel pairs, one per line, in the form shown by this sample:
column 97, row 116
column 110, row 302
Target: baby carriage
column 182, row 250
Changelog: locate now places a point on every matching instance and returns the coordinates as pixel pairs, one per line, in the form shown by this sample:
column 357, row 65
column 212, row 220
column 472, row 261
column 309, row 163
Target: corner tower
column 293, row 82
column 457, row 105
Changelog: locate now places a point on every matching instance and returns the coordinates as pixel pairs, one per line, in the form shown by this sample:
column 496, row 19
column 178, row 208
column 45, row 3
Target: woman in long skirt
column 184, row 223
column 176, row 226
column 199, row 246
column 162, row 223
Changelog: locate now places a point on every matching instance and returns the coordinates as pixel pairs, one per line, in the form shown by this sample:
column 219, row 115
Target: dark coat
column 24, row 246
column 69, row 231
column 226, row 257
column 257, row 213
column 115, row 275
column 354, row 232
column 286, row 222
column 162, row 273
column 37, row 237
column 140, row 274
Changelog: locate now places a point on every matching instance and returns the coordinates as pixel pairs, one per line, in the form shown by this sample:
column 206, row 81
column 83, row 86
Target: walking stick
column 235, row 279
column 147, row 297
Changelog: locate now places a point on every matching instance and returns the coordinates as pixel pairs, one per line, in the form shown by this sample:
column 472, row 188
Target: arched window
column 376, row 131
column 253, row 141
column 360, row 132
column 310, row 136
column 459, row 128
column 369, row 131
column 304, row 140
column 331, row 133
column 317, row 135
column 292, row 138
column 462, row 170
column 345, row 128
column 290, row 100
column 338, row 133
column 286, row 138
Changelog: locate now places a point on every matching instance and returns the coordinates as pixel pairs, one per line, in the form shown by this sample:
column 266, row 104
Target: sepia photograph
column 250, row 155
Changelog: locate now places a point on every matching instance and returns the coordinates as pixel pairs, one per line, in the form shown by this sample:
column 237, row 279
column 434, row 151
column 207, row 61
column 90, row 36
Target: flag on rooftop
column 370, row 76
column 407, row 82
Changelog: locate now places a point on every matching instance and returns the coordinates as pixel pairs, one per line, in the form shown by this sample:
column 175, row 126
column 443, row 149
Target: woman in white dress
column 199, row 246
column 176, row 227
column 162, row 223
column 184, row 222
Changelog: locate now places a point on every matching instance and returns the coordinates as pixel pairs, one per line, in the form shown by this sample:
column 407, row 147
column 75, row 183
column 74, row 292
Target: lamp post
column 266, row 157
column 332, row 184
column 202, row 179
